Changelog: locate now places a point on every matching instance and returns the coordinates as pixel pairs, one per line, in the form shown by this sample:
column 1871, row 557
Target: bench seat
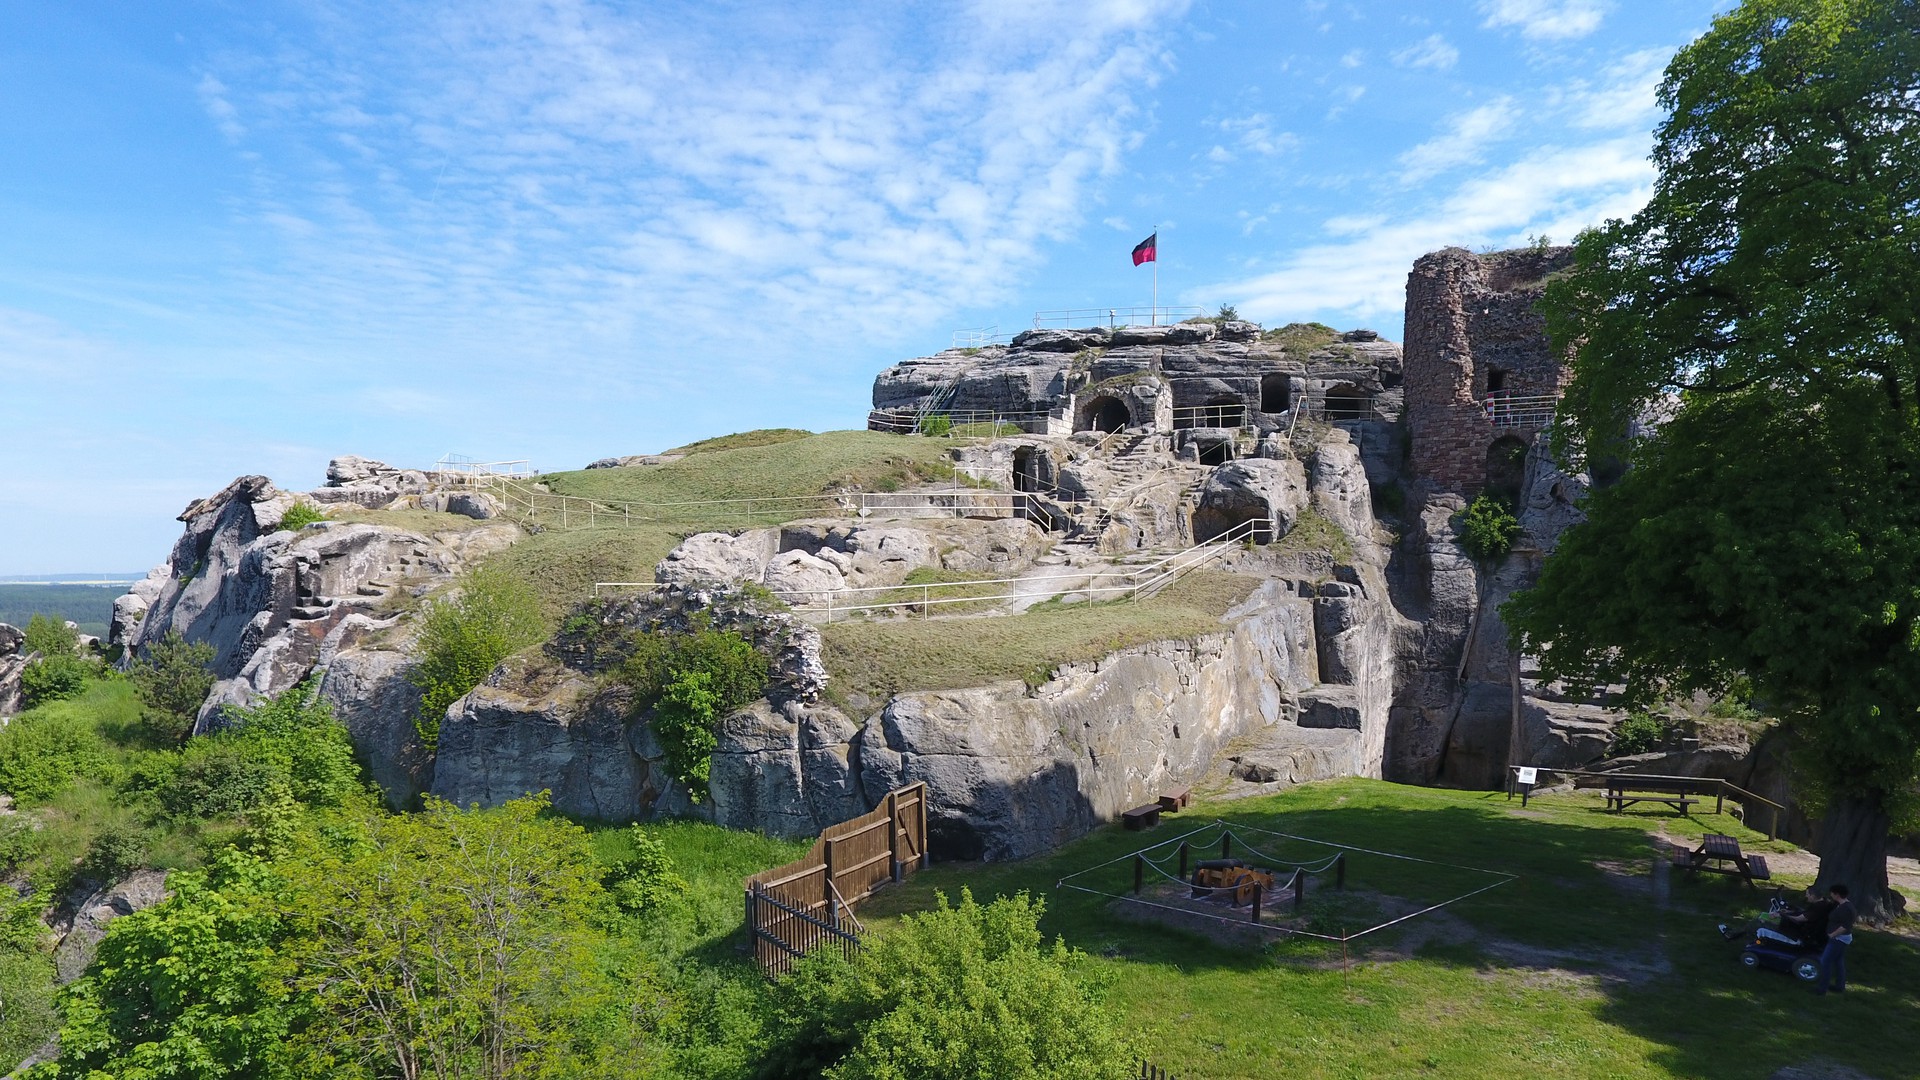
column 1757, row 864
column 1142, row 817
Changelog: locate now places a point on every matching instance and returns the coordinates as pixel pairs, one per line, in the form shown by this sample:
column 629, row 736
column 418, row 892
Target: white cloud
column 1466, row 136
column 1626, row 99
column 1547, row 19
column 1255, row 133
column 554, row 178
column 1363, row 273
column 1353, row 59
column 1429, row 52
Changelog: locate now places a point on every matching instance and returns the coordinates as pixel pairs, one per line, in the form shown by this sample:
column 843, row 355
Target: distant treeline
column 89, row 605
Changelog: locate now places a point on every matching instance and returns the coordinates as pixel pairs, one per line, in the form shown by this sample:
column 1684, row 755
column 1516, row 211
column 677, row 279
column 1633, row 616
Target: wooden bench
column 1175, row 801
column 1624, row 791
column 1142, row 817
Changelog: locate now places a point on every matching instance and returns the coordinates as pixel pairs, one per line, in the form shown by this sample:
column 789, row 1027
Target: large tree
column 1765, row 307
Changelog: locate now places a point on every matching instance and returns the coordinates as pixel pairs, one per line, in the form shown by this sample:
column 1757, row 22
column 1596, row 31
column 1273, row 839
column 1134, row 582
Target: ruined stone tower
column 1480, row 374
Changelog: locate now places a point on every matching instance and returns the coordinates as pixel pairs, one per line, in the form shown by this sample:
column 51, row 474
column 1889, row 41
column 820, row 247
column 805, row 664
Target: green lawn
column 1569, row 970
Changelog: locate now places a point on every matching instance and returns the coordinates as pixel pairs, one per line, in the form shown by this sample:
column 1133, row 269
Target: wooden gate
column 794, row 908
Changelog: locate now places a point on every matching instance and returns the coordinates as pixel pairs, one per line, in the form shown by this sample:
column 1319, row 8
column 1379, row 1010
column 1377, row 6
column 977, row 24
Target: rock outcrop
column 81, row 933
column 13, row 661
column 278, row 605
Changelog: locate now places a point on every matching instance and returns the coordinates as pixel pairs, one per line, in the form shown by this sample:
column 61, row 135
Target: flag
column 1144, row 250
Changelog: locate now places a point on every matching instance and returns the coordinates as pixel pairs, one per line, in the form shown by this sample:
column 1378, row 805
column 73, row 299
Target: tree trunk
column 1853, row 851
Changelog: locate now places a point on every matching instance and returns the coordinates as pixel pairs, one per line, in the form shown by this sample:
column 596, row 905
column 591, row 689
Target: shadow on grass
column 1593, row 916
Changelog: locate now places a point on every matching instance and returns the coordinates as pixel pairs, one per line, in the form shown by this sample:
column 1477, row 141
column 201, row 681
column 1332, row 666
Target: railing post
column 1720, row 797
column 1139, row 872
column 1256, row 901
column 1299, row 888
column 893, row 837
column 1183, row 860
column 1226, row 845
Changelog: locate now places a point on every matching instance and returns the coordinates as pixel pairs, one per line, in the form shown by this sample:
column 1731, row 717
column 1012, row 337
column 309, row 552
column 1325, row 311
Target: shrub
column 42, row 753
column 220, row 776
column 938, row 425
column 971, row 990
column 643, row 880
column 1639, row 733
column 462, row 637
column 172, row 681
column 53, row 678
column 51, row 637
column 115, row 852
column 691, row 680
column 300, row 515
column 297, row 732
column 1488, row 528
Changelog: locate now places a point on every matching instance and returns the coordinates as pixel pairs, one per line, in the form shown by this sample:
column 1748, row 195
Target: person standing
column 1833, row 958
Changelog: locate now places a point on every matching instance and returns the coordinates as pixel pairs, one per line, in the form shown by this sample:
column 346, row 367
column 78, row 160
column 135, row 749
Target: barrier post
column 1299, row 888
column 1256, row 901
column 1139, row 872
column 1226, row 845
column 1340, row 872
column 1183, row 860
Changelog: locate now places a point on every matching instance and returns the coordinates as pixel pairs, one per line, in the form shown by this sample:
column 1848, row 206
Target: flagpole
column 1153, row 316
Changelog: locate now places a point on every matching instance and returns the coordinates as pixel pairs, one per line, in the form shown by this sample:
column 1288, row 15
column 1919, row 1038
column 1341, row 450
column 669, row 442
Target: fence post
column 893, row 837
column 826, row 858
column 1720, row 797
column 1139, row 872
column 1340, row 872
column 1299, row 888
column 925, row 856
column 1226, row 845
column 1183, row 860
column 1256, row 901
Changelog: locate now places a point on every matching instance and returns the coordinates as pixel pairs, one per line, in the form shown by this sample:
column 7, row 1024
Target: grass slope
column 883, row 657
column 747, row 468
column 1571, row 970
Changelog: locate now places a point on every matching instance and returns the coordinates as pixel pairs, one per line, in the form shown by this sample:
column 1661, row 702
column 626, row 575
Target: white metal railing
column 1211, row 416
column 1520, row 410
column 572, row 510
column 1134, row 583
column 1114, row 317
column 907, row 421
column 978, row 337
column 461, row 463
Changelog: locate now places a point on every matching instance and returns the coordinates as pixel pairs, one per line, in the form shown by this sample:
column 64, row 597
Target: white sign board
column 1529, row 775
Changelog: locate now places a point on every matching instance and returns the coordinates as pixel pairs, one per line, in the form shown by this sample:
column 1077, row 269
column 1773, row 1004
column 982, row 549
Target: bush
column 220, row 776
column 1639, row 733
column 1488, row 528
column 297, row 733
column 300, row 515
column 51, row 637
column 115, row 852
column 938, row 425
column 691, row 681
column 462, row 636
column 643, row 880
column 172, row 681
column 43, row 753
column 958, row 991
column 53, row 678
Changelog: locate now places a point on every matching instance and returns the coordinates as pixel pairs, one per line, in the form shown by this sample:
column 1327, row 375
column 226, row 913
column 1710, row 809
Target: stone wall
column 1470, row 318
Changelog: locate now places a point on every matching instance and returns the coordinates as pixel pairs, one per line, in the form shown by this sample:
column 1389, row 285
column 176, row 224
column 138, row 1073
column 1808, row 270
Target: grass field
column 881, row 657
column 1589, row 964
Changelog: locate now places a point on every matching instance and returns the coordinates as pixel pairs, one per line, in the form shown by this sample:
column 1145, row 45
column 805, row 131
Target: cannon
column 1231, row 878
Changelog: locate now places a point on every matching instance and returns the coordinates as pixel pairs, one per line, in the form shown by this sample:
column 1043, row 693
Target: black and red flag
column 1143, row 252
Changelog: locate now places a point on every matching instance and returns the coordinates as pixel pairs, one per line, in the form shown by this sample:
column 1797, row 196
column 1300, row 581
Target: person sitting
column 1802, row 927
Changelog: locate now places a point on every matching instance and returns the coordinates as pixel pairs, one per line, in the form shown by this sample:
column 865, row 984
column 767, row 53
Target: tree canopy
column 1760, row 311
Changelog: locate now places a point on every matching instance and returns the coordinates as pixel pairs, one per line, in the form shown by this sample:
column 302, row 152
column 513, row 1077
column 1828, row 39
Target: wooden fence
column 806, row 904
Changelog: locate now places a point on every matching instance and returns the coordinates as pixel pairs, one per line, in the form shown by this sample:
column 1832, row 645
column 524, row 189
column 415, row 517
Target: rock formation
column 13, row 660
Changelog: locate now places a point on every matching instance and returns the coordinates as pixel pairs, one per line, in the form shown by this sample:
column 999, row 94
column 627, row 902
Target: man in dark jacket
column 1833, row 958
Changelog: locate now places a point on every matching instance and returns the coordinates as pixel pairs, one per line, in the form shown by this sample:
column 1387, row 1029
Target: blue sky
column 247, row 237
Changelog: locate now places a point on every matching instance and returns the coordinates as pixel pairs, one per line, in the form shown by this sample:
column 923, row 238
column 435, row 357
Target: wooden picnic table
column 1625, row 790
column 1716, row 852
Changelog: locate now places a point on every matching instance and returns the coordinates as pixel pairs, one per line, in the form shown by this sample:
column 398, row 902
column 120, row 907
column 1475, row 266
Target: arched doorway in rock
column 1276, row 393
column 1345, row 401
column 1027, row 463
column 1107, row 414
column 1506, row 466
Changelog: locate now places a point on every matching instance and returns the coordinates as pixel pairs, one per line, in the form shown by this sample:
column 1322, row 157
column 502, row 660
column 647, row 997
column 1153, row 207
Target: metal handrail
column 1114, row 317
column 1505, row 410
